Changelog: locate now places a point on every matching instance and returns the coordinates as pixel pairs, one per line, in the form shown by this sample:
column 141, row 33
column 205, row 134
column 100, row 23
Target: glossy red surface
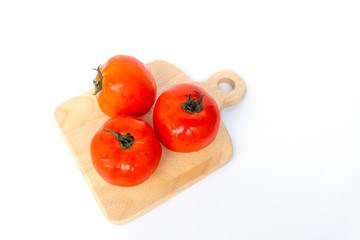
column 125, row 167
column 182, row 131
column 128, row 87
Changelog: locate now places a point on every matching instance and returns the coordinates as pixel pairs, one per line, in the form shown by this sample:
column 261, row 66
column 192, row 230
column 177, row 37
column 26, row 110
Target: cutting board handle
column 225, row 99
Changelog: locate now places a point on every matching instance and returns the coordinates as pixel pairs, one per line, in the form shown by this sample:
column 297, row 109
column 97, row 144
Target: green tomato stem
column 192, row 105
column 125, row 141
column 98, row 84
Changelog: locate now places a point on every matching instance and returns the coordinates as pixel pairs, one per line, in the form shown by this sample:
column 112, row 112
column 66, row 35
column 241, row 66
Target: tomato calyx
column 192, row 105
column 125, row 141
column 98, row 84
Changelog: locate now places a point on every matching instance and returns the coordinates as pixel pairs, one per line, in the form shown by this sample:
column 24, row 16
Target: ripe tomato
column 186, row 118
column 124, row 85
column 125, row 151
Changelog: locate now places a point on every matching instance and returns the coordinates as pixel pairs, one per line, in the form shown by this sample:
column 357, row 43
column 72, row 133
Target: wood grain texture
column 79, row 118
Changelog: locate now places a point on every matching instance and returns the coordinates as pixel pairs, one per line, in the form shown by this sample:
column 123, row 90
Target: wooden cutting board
column 79, row 118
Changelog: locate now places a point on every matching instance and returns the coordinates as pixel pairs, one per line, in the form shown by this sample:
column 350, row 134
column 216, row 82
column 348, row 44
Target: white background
column 295, row 172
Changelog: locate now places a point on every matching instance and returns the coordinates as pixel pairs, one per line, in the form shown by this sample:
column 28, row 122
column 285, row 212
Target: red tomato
column 124, row 85
column 186, row 118
column 125, row 151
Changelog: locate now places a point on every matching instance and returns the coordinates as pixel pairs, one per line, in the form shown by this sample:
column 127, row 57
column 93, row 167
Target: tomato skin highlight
column 128, row 167
column 127, row 87
column 181, row 131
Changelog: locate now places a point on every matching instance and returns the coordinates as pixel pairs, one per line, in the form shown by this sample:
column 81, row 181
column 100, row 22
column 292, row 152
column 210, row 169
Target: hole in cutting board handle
column 226, row 85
